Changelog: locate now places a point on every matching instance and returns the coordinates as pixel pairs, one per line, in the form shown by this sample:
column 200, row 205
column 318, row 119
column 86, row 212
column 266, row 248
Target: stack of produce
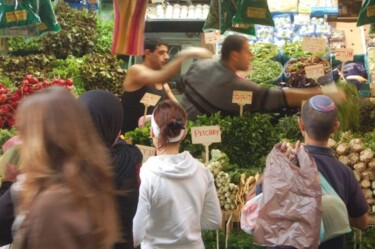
column 296, row 75
column 225, row 189
column 266, row 70
column 9, row 100
column 361, row 159
column 231, row 196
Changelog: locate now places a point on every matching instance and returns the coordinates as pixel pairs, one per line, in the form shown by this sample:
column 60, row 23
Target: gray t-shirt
column 208, row 86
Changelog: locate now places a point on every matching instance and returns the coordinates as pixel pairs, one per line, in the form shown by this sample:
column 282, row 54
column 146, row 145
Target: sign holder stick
column 144, row 115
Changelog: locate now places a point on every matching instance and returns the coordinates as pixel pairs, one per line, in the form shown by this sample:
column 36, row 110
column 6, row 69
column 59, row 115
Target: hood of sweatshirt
column 180, row 166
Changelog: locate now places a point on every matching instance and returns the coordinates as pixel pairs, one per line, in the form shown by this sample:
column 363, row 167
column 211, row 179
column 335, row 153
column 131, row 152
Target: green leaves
column 102, row 71
column 77, row 36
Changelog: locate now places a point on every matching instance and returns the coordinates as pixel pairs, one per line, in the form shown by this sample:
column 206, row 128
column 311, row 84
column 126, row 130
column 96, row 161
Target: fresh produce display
column 353, row 152
column 294, row 50
column 24, row 45
column 265, row 71
column 105, row 35
column 231, row 196
column 9, row 100
column 296, row 75
column 5, row 134
column 349, row 110
column 102, row 71
column 77, row 36
column 16, row 67
column 264, row 51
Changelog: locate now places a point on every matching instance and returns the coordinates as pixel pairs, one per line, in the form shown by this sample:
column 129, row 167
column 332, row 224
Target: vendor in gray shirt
column 208, row 85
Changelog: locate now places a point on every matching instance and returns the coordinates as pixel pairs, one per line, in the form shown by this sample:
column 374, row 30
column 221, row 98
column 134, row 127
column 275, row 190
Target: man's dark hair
column 231, row 43
column 152, row 43
column 319, row 125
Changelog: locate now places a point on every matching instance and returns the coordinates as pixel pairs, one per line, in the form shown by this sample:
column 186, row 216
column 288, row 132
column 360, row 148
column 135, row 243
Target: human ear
column 301, row 126
column 336, row 126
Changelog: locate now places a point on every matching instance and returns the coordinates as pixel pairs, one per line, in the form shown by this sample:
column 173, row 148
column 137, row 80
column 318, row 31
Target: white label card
column 344, row 54
column 206, row 134
column 314, row 71
column 242, row 97
column 150, row 99
column 212, row 37
column 146, row 151
column 314, row 45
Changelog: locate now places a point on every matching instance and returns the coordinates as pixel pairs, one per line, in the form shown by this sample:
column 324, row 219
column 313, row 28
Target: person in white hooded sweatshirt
column 177, row 197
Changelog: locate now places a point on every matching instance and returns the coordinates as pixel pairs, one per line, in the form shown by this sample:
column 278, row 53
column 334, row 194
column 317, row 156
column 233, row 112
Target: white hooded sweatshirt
column 177, row 199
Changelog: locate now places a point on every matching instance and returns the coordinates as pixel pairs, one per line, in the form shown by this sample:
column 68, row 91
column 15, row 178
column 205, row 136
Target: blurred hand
column 287, row 149
column 337, row 95
column 198, row 52
column 142, row 120
column 11, row 173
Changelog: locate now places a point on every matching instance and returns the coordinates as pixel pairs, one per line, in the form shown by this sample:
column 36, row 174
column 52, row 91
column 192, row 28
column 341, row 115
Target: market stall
column 79, row 58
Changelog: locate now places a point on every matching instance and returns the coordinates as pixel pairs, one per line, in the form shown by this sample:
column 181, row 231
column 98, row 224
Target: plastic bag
column 213, row 18
column 227, row 10
column 334, row 213
column 253, row 12
column 249, row 213
column 367, row 13
column 47, row 17
column 27, row 18
column 290, row 213
column 18, row 18
column 18, row 13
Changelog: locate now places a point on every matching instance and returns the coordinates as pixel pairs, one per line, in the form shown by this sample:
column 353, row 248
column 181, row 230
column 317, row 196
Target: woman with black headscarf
column 107, row 113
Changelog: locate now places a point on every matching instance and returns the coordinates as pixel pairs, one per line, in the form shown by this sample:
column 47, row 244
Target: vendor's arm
column 360, row 222
column 139, row 75
column 295, row 96
column 169, row 92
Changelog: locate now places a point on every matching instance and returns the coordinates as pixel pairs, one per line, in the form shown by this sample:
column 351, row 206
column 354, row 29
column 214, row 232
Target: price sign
column 256, row 12
column 146, row 151
column 206, row 134
column 212, row 37
column 314, row 71
column 150, row 99
column 314, row 45
column 242, row 97
column 344, row 54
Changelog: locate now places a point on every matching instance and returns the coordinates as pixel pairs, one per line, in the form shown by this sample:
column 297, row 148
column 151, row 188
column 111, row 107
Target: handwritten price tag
column 212, row 37
column 314, row 71
column 206, row 134
column 256, row 12
column 344, row 54
column 242, row 97
column 314, row 45
column 150, row 99
column 146, row 151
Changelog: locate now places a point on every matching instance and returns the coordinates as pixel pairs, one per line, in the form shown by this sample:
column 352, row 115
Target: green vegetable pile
column 77, row 36
column 264, row 51
column 16, row 67
column 294, row 49
column 5, row 134
column 349, row 110
column 105, row 35
column 102, row 71
column 24, row 45
column 265, row 71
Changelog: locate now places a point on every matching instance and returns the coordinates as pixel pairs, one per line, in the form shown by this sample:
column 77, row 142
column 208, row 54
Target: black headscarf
column 106, row 112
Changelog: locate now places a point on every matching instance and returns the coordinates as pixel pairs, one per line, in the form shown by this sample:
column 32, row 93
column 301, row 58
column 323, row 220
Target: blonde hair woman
column 67, row 193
